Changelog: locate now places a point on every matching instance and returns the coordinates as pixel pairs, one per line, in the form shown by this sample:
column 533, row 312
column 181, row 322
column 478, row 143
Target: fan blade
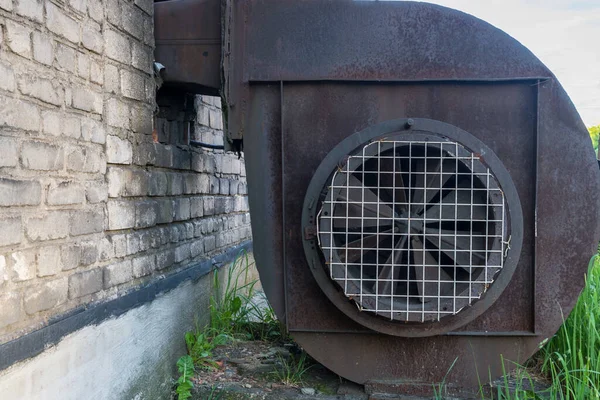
column 457, row 205
column 357, row 220
column 418, row 184
column 385, row 286
column 447, row 243
column 430, row 273
column 461, row 259
column 357, row 248
column 438, row 174
column 367, row 200
column 391, row 177
column 437, row 231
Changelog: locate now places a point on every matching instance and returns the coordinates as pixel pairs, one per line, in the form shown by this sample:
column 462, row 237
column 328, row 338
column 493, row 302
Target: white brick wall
column 90, row 205
column 80, row 366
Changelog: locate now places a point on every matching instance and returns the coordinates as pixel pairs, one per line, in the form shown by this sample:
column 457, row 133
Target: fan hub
column 408, row 225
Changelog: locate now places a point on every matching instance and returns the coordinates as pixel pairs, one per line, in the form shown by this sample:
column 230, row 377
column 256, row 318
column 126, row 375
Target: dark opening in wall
column 176, row 116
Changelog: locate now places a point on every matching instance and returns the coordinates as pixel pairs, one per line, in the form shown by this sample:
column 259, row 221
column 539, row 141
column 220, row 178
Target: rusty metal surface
column 362, row 40
column 568, row 218
column 235, row 91
column 341, row 49
column 188, row 43
column 384, row 361
column 264, row 174
column 511, row 117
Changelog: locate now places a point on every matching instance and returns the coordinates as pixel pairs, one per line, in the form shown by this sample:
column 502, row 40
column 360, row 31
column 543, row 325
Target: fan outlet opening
column 413, row 230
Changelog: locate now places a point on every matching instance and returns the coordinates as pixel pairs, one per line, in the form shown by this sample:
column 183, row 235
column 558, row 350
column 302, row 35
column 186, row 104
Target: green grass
column 571, row 357
column 594, row 135
column 229, row 309
column 570, row 360
column 519, row 386
column 233, row 315
column 214, row 394
column 233, row 310
column 292, row 369
column 184, row 384
column 439, row 390
column 200, row 346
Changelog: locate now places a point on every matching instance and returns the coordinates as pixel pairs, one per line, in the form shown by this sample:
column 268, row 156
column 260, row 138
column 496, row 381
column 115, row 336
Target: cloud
column 564, row 34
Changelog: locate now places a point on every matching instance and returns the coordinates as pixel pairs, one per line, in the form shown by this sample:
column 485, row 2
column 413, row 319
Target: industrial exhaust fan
column 422, row 190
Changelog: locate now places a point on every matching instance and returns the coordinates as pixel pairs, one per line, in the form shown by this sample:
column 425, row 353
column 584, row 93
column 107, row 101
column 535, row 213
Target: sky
column 564, row 34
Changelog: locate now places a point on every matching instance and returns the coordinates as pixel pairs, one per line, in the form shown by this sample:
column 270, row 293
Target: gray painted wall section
column 129, row 357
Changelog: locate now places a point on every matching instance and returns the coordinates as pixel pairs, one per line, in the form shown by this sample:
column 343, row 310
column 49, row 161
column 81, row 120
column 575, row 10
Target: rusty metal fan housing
column 423, row 192
column 420, row 189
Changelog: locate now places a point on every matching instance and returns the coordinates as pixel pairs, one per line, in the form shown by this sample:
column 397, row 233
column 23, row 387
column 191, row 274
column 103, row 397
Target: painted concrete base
column 129, row 357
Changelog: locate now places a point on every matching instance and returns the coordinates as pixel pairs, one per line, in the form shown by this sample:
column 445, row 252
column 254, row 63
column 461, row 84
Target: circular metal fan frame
column 413, row 230
column 415, row 224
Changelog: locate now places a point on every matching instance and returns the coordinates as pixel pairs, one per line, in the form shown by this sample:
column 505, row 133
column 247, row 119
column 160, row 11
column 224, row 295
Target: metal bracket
column 310, row 232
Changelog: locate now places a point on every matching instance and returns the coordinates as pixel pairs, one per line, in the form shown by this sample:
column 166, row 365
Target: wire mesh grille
column 413, row 230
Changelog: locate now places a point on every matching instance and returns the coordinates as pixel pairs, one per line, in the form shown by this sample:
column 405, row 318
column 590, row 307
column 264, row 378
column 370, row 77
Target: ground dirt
column 246, row 370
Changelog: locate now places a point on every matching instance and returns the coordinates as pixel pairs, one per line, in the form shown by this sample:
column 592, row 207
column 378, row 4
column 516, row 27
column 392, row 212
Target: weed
column 325, row 389
column 233, row 314
column 229, row 309
column 571, row 357
column 214, row 394
column 520, row 386
column 439, row 390
column 570, row 360
column 200, row 346
column 292, row 369
column 185, row 366
column 234, row 310
column 263, row 324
